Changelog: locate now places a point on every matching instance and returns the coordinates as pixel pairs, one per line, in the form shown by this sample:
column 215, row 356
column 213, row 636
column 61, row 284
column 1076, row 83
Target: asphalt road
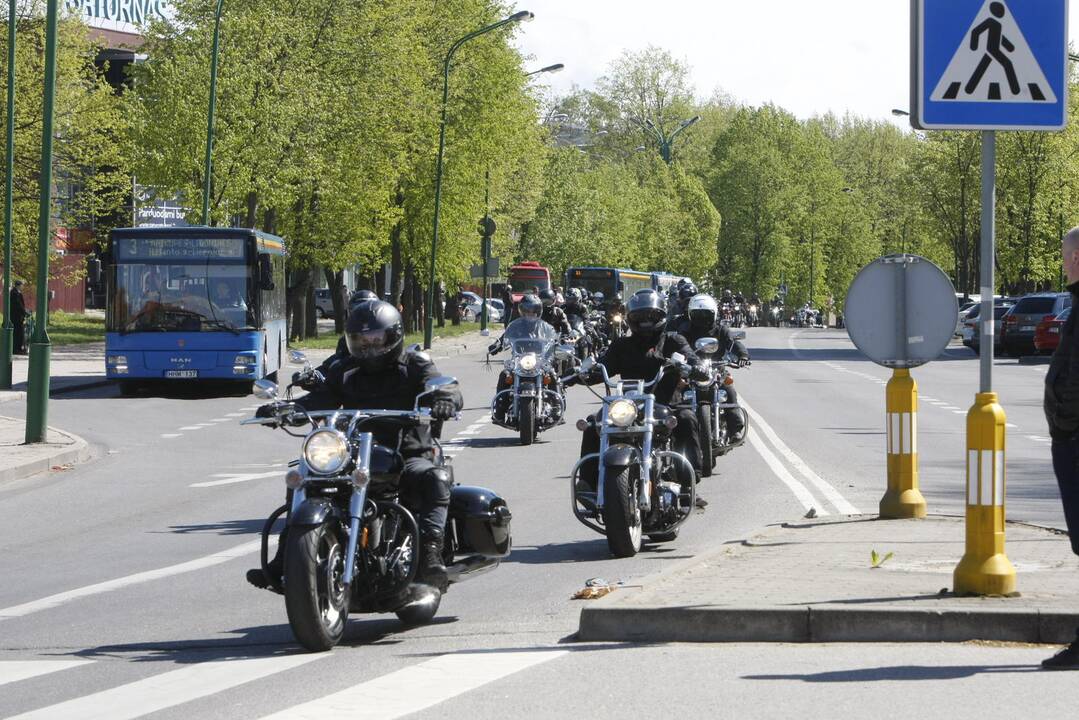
column 123, row 591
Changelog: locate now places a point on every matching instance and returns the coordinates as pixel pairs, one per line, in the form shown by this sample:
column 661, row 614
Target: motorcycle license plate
column 1026, row 328
column 181, row 373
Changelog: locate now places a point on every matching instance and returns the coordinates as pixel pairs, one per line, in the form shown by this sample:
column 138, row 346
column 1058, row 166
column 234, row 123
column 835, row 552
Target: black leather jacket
column 554, row 317
column 720, row 332
column 394, row 388
column 634, row 358
column 1061, row 400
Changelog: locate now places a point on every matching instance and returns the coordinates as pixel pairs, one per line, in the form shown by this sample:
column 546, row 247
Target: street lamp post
column 522, row 16
column 666, row 143
column 7, row 335
column 37, row 397
column 557, row 67
column 210, row 118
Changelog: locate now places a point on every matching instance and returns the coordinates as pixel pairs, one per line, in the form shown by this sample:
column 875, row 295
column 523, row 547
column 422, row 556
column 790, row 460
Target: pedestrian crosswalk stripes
column 417, row 687
column 169, row 689
column 12, row 671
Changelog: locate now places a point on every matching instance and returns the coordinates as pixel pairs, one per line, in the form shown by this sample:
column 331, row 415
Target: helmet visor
column 370, row 344
column 648, row 320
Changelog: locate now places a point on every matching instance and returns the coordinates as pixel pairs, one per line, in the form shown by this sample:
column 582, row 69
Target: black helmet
column 360, row 296
column 645, row 314
column 374, row 334
column 547, row 297
column 573, row 296
column 688, row 290
column 530, row 306
column 616, row 298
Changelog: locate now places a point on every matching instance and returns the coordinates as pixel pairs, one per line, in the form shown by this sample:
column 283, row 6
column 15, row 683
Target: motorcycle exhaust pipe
column 470, row 567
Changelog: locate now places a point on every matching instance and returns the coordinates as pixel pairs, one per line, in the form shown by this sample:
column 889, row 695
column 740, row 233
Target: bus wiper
column 214, row 322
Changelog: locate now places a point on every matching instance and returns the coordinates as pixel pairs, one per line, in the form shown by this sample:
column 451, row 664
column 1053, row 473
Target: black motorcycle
column 353, row 544
column 709, row 401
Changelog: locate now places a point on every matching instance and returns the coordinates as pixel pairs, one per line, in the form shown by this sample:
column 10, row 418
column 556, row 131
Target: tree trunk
column 296, row 304
column 453, row 309
column 310, row 317
column 406, row 300
column 252, row 210
column 339, row 296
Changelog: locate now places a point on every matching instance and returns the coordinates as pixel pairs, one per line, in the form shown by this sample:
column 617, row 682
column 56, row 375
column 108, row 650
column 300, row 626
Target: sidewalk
column 71, row 367
column 812, row 581
column 18, row 461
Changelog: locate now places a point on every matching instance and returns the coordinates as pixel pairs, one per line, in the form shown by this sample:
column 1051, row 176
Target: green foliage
column 876, row 559
column 90, row 149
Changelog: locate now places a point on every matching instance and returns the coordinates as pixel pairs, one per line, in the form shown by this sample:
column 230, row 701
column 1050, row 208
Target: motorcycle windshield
column 528, row 335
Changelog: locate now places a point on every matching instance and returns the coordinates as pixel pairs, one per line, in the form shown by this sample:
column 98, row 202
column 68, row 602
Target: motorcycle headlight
column 527, row 362
column 616, row 318
column 325, row 451
column 622, row 413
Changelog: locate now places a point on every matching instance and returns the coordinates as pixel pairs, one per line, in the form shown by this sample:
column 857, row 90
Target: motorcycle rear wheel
column 316, row 598
column 704, row 432
column 621, row 514
column 526, row 420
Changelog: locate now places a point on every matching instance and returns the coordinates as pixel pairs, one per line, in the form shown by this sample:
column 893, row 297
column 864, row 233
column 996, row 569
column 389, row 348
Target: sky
column 808, row 57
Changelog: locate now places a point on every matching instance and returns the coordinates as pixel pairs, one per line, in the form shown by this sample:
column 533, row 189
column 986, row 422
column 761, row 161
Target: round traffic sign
column 901, row 311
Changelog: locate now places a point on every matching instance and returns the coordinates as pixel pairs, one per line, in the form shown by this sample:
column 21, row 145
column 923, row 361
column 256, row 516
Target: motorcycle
column 709, row 400
column 352, row 543
column 531, row 396
column 726, row 314
column 752, row 316
column 638, row 490
column 776, row 315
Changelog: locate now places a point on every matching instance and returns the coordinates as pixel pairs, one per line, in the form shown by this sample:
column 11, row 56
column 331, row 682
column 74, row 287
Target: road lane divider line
column 169, row 689
column 16, row 670
column 800, row 491
column 233, row 478
column 417, row 687
column 192, row 427
column 67, row 596
column 171, row 435
column 826, row 489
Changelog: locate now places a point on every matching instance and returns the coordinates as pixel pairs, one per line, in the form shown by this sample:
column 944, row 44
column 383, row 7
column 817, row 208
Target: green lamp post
column 7, row 334
column 210, row 118
column 37, row 397
column 522, row 16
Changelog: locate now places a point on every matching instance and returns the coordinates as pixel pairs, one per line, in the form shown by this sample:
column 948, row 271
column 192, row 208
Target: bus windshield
column 198, row 296
column 522, row 281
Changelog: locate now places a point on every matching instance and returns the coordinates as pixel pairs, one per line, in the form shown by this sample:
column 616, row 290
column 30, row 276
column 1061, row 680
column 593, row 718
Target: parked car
column 1047, row 332
column 1018, row 325
column 964, row 308
column 323, row 303
column 971, row 334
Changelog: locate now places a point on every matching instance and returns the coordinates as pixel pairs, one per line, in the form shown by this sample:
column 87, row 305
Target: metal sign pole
column 985, row 569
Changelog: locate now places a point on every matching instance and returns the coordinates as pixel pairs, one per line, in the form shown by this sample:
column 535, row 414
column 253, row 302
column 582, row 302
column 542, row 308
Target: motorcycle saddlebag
column 482, row 521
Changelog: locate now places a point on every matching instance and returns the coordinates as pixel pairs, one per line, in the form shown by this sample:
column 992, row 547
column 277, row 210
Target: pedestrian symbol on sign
column 994, row 63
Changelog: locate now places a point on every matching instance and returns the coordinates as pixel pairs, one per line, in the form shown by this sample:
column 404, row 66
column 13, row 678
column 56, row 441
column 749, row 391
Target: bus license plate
column 181, row 373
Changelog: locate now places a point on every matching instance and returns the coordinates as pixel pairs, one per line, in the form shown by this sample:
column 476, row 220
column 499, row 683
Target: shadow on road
column 900, row 672
column 581, row 551
column 225, row 527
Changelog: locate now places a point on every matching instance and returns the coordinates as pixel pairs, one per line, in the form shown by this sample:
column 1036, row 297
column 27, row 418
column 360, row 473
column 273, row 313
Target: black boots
column 1066, row 659
column 432, row 571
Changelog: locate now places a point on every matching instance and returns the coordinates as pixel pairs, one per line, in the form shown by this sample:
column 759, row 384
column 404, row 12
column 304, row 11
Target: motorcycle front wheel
column 704, row 432
column 526, row 420
column 621, row 514
column 316, row 597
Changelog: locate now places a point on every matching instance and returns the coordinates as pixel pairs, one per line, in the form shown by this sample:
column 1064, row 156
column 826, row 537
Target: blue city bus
column 609, row 280
column 194, row 303
column 663, row 282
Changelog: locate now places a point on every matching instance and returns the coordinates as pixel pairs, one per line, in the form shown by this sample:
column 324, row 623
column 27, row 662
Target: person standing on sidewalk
column 1062, row 413
column 18, row 318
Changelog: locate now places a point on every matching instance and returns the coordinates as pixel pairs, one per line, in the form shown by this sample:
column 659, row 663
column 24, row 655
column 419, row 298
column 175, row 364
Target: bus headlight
column 117, row 363
column 244, row 360
column 622, row 413
column 325, row 451
column 527, row 362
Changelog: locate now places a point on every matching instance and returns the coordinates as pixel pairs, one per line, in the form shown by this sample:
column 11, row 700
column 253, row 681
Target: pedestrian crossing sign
column 989, row 64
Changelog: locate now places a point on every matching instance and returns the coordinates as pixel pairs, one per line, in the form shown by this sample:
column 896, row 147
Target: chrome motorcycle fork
column 516, row 395
column 357, row 502
column 601, row 471
column 645, row 500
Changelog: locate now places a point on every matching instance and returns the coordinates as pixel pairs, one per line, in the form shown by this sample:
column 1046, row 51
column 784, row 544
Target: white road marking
column 192, row 427
column 236, row 415
column 171, row 435
column 221, row 420
column 470, row 431
column 1012, row 426
column 417, row 687
column 830, row 493
column 16, row 670
column 59, row 599
column 800, row 491
column 960, row 412
column 168, row 689
column 233, row 478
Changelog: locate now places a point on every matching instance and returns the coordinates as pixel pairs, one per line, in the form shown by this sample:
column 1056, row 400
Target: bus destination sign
column 179, row 249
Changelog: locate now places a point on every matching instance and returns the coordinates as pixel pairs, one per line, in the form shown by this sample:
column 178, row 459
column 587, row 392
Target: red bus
column 527, row 275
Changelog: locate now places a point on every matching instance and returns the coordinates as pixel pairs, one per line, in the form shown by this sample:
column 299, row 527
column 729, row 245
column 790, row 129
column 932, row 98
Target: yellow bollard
column 903, row 499
column 985, row 569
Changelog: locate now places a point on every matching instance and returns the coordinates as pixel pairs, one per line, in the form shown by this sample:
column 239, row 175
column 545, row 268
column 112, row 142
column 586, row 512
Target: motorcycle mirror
column 295, row 357
column 588, row 364
column 738, row 334
column 443, row 382
column 707, row 346
column 265, row 390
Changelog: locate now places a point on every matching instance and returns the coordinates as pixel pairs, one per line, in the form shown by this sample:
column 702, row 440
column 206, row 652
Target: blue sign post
column 988, row 65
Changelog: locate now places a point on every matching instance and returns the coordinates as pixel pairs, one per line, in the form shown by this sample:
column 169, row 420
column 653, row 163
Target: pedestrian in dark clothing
column 18, row 314
column 1062, row 413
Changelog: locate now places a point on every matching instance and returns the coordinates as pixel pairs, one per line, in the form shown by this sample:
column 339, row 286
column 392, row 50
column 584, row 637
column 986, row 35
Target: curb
column 12, row 395
column 822, row 624
column 79, row 451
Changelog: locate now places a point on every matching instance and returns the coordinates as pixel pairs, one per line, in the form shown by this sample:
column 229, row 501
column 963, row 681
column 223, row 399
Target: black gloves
column 267, row 411
column 743, row 362
column 443, row 410
column 699, row 373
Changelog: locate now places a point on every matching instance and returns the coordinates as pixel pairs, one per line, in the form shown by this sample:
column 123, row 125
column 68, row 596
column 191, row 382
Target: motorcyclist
column 529, row 324
column 577, row 316
column 685, row 293
column 703, row 321
column 639, row 356
column 552, row 314
column 377, row 374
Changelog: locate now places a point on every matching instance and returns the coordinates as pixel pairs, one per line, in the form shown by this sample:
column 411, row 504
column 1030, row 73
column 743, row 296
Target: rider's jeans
column 686, row 440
